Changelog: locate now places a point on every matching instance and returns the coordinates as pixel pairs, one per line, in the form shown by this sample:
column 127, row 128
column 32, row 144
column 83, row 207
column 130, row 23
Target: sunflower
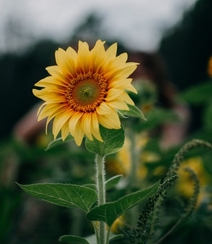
column 84, row 90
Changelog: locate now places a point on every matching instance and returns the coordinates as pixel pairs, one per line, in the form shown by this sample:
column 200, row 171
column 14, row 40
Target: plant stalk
column 100, row 185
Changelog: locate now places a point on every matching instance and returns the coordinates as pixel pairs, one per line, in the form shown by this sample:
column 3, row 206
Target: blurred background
column 172, row 41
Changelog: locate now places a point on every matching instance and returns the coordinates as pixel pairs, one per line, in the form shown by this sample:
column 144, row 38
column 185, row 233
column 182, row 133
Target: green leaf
column 58, row 141
column 73, row 239
column 156, row 117
column 113, row 141
column 116, row 237
column 91, row 239
column 133, row 112
column 65, row 195
column 198, row 93
column 109, row 212
column 113, row 181
column 207, row 116
column 110, row 183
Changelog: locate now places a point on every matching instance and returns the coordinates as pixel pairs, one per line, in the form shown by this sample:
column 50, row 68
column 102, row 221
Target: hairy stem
column 100, row 185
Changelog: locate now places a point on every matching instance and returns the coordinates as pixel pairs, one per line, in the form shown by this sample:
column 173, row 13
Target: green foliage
column 179, row 157
column 207, row 117
column 73, row 239
column 113, row 181
column 156, row 117
column 109, row 212
column 133, row 112
column 199, row 93
column 141, row 231
column 65, row 195
column 149, row 217
column 58, row 141
column 113, row 141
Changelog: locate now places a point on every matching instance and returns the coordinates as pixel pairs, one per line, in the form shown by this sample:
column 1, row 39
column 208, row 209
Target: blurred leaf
column 91, row 239
column 113, row 141
column 113, row 181
column 157, row 116
column 73, row 239
column 207, row 117
column 199, row 93
column 58, row 142
column 109, row 212
column 65, row 195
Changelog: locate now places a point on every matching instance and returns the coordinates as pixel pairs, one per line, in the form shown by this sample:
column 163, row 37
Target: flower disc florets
column 85, row 89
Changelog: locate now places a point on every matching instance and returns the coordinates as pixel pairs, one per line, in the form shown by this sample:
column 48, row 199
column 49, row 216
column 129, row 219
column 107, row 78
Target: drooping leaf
column 73, row 239
column 65, row 195
column 58, row 142
column 109, row 212
column 113, row 141
column 91, row 239
column 116, row 237
column 110, row 183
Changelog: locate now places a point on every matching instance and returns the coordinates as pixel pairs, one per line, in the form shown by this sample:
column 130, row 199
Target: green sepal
column 73, row 239
column 109, row 212
column 113, row 141
column 65, row 195
column 58, row 141
column 132, row 112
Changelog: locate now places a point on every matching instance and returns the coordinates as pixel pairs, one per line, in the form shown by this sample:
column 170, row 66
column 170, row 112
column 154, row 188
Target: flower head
column 84, row 90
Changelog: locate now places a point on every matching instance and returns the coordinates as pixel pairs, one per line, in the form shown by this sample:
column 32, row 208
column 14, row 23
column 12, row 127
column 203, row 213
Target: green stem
column 133, row 179
column 100, row 184
column 134, row 163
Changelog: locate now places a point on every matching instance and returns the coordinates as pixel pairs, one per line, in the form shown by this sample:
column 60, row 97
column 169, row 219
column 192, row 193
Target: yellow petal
column 111, row 121
column 95, row 127
column 51, row 96
column 48, row 110
column 122, row 58
column 55, row 72
column 111, row 52
column 73, row 122
column 98, row 55
column 113, row 94
column 51, row 82
column 65, row 130
column 84, row 61
column 86, row 125
column 125, row 97
column 103, row 109
column 120, row 71
column 118, row 104
column 123, row 84
column 63, row 61
column 72, row 54
column 59, row 122
column 78, row 134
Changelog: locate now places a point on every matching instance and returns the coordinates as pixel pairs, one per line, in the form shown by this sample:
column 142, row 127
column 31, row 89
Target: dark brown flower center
column 86, row 92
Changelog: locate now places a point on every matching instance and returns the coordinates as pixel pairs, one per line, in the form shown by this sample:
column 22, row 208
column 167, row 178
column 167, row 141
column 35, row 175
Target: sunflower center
column 86, row 93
